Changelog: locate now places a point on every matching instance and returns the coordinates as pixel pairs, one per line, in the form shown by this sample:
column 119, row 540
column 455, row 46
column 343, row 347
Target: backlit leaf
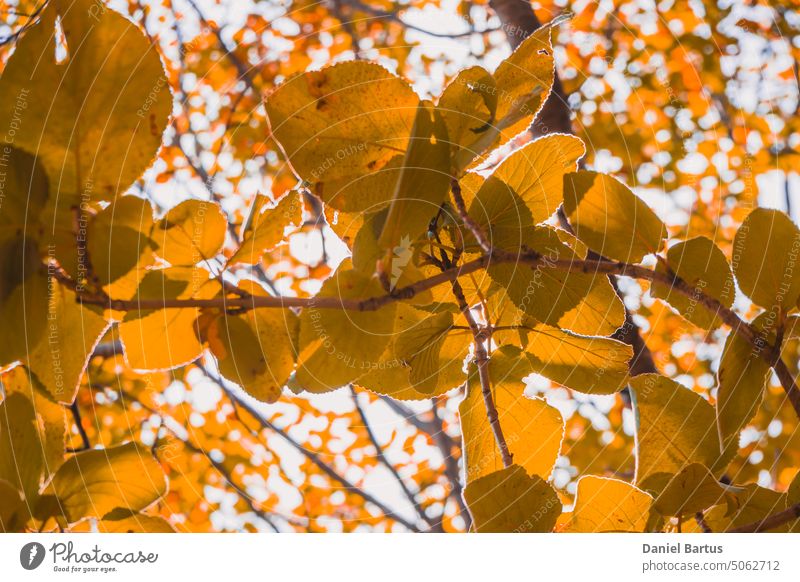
column 21, row 455
column 256, row 349
column 609, row 505
column 691, row 490
column 544, row 293
column 345, row 130
column 676, row 427
column 742, row 375
column 95, row 483
column 701, row 264
column 162, row 339
column 511, row 501
column 532, row 428
column 423, row 182
column 610, row 218
column 535, row 173
column 190, row 233
column 595, row 365
column 95, row 118
column 120, row 245
column 338, row 346
column 265, row 226
column 58, row 360
column 521, row 83
column 425, row 350
column 765, row 252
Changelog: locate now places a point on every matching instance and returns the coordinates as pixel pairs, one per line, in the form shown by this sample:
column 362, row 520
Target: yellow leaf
column 136, row 523
column 59, row 359
column 469, row 106
column 544, row 293
column 532, row 428
column 435, row 365
column 95, row 483
column 610, row 218
column 765, row 252
column 14, row 514
column 95, row 119
column 535, row 175
column 422, row 185
column 521, row 84
column 120, row 247
column 256, row 349
column 23, row 285
column 425, row 350
column 345, row 225
column 21, row 453
column 601, row 312
column 265, row 226
column 742, row 378
column 345, row 130
column 162, row 339
column 23, row 299
column 609, row 505
column 338, row 346
column 701, row 264
column 693, row 489
column 511, row 501
column 747, row 505
column 25, row 194
column 191, row 232
column 50, row 417
column 676, row 427
column 595, row 365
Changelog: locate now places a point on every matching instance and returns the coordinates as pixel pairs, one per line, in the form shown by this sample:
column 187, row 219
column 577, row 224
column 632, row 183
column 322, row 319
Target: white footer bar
column 334, row 557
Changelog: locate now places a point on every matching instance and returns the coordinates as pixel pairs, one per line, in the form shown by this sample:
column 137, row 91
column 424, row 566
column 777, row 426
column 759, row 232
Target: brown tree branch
column 450, row 275
column 242, row 68
column 482, row 363
column 480, row 339
column 771, row 522
column 379, row 14
column 700, row 518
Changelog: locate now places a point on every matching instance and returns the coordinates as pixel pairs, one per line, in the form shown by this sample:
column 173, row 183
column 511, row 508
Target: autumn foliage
column 291, row 272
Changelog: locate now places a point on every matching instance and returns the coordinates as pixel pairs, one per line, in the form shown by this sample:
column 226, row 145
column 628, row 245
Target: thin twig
column 311, row 456
column 393, row 17
column 482, row 363
column 700, row 518
column 265, row 516
column 445, row 445
column 474, row 228
column 385, row 462
column 76, row 416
